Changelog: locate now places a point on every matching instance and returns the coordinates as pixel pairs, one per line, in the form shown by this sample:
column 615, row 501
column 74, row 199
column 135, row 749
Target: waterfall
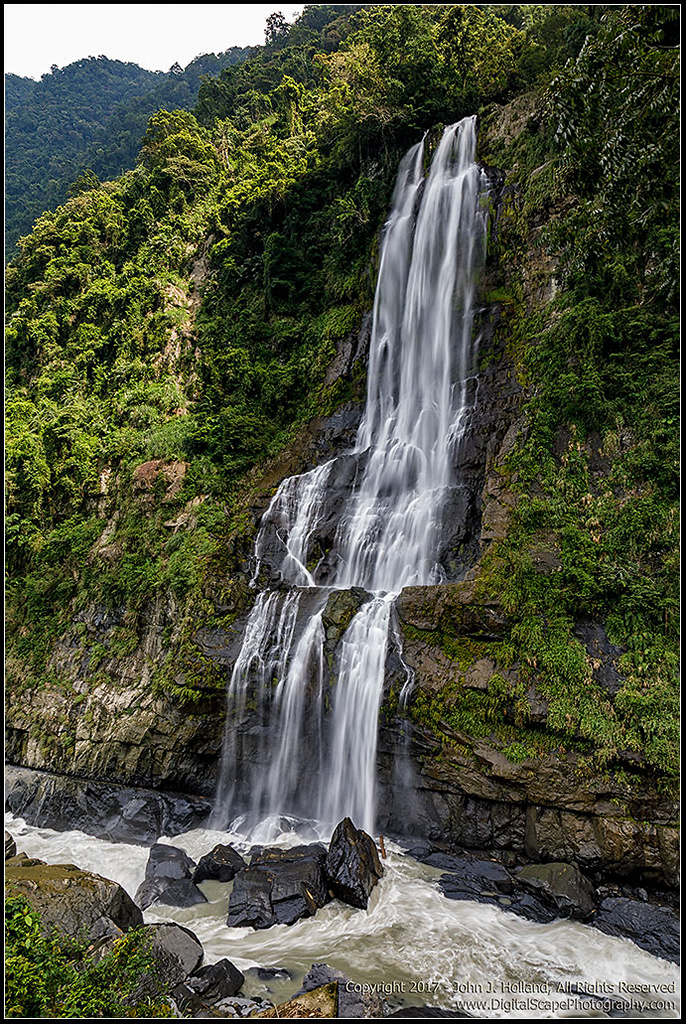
column 283, row 753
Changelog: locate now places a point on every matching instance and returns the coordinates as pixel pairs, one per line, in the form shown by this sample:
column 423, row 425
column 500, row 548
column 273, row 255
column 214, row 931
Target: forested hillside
column 169, row 330
column 16, row 90
column 88, row 116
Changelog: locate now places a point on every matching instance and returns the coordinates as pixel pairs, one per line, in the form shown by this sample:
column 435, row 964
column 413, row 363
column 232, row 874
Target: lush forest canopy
column 88, row 116
column 270, row 195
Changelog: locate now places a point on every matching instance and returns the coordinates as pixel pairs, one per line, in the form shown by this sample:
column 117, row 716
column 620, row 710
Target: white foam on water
column 430, row 950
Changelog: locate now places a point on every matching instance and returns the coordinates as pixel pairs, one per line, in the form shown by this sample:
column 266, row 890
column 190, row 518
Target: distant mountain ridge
column 91, row 114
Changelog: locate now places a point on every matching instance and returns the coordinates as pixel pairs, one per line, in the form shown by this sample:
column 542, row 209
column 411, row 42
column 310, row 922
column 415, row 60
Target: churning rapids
column 312, row 768
column 415, row 945
column 418, row 399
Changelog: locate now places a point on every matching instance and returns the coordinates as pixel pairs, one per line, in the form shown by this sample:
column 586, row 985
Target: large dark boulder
column 250, row 903
column 483, row 881
column 352, row 864
column 472, row 878
column 299, row 890
column 208, row 986
column 279, row 887
column 221, row 864
column 486, row 881
column 562, row 887
column 76, row 902
column 168, row 879
column 651, row 927
column 182, row 892
column 540, row 892
column 168, row 862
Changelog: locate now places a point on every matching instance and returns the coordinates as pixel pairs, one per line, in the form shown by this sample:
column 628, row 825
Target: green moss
column 462, row 650
column 455, row 712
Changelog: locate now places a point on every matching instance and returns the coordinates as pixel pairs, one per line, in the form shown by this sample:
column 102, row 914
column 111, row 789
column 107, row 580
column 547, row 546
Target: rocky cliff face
column 469, row 757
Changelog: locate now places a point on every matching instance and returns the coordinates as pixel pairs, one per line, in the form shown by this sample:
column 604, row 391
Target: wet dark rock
column 353, row 867
column 117, row 813
column 250, row 904
column 209, row 985
column 560, row 886
column 474, row 875
column 182, row 892
column 270, row 855
column 279, row 887
column 168, row 879
column 351, row 1004
column 533, row 909
column 299, row 890
column 269, row 973
column 490, row 882
column 168, row 862
column 10, row 846
column 221, row 864
column 76, row 902
column 420, row 851
column 653, row 928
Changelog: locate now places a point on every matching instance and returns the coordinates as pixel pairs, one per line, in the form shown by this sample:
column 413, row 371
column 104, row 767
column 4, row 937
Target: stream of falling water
column 424, row 949
column 421, row 357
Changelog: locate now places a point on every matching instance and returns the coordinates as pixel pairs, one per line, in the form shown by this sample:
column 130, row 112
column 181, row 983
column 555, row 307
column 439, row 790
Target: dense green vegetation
column 183, row 317
column 597, row 474
column 53, row 975
column 88, row 116
column 16, row 90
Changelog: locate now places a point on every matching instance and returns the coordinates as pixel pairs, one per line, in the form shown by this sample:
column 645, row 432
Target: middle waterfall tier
column 305, row 691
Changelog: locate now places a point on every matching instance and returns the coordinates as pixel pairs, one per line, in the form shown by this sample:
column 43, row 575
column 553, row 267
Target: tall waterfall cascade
column 301, row 733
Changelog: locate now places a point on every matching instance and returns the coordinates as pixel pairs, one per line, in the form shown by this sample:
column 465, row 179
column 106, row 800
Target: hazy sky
column 152, row 35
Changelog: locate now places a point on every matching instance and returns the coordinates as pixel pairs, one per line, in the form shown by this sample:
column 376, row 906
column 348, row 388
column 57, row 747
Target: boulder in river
column 221, row 864
column 485, row 881
column 279, row 887
column 176, row 952
column 208, row 986
column 352, row 864
column 168, row 879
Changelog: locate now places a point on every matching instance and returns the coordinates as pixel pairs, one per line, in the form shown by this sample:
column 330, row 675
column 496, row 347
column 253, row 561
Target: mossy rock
column 80, row 903
column 341, row 608
column 320, row 1002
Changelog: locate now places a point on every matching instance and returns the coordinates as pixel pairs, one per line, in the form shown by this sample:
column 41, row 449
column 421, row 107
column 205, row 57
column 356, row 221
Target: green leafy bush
column 54, row 976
